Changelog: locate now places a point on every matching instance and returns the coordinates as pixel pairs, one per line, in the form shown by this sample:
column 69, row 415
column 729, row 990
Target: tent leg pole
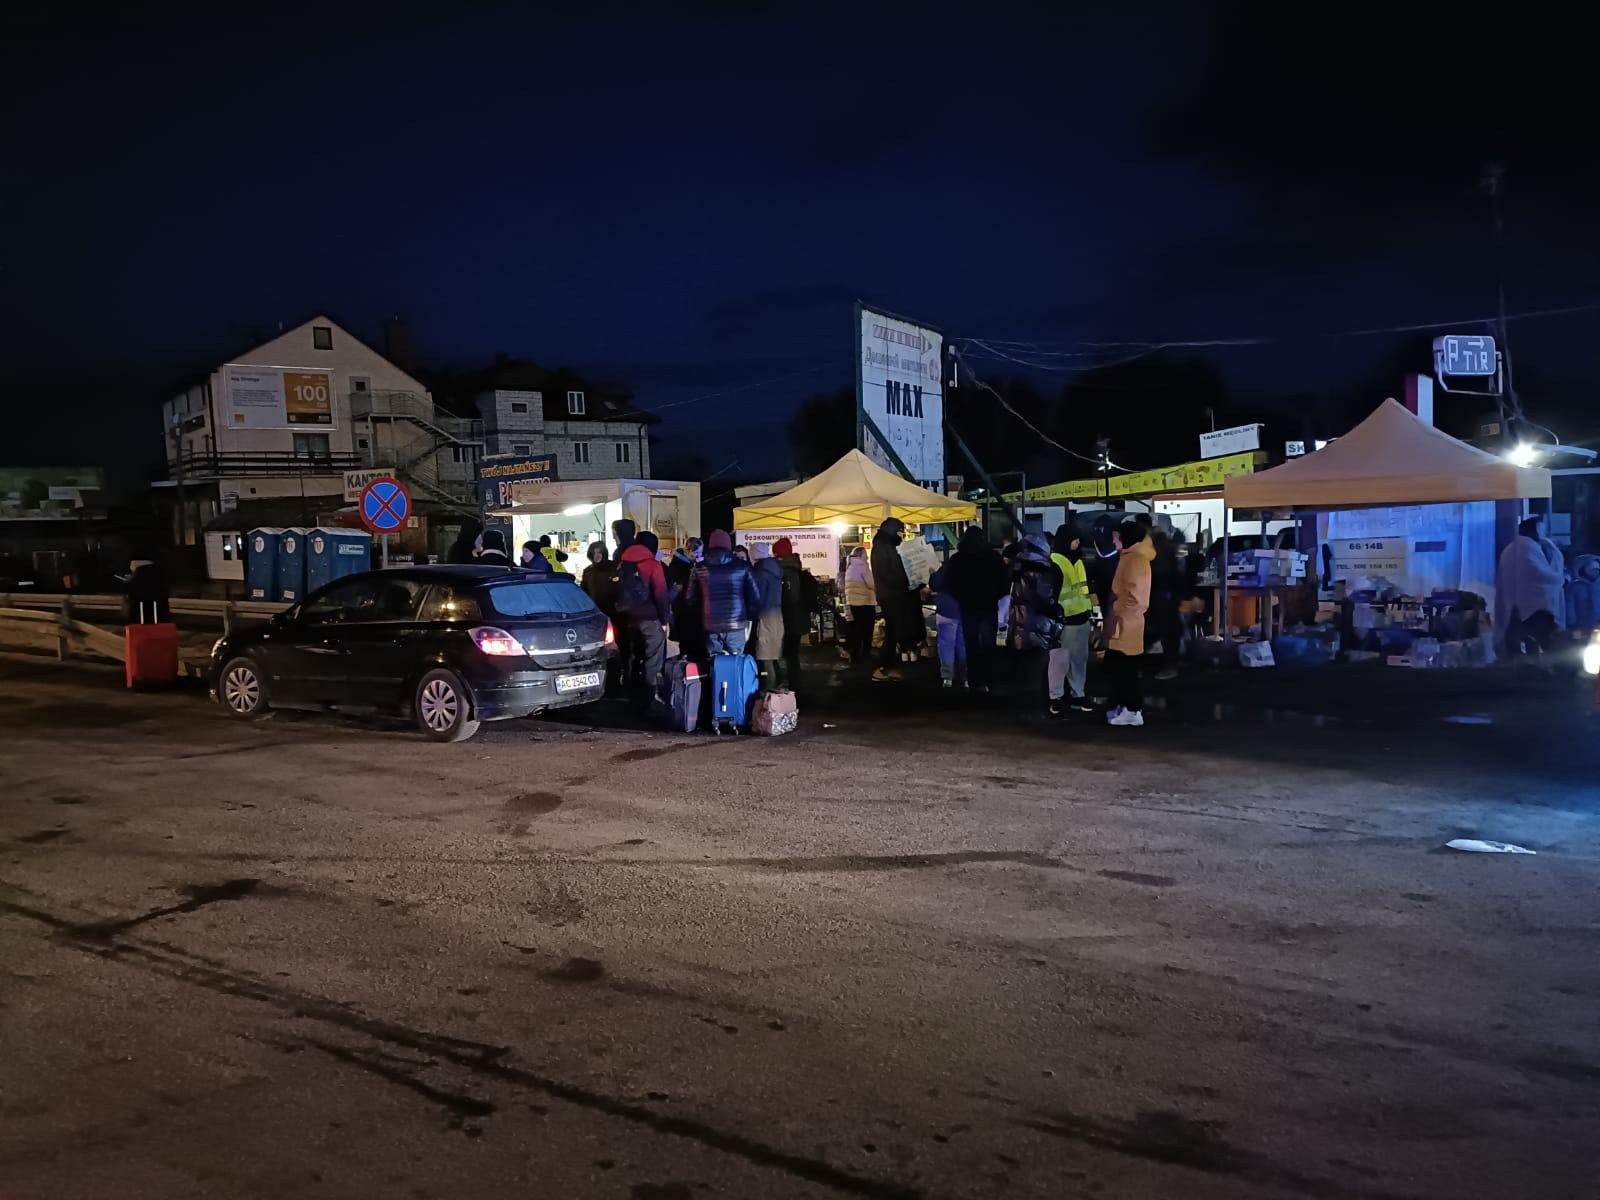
column 1224, row 626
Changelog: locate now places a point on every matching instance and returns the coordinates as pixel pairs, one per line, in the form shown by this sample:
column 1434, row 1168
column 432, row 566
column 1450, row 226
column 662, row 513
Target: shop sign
column 1230, row 441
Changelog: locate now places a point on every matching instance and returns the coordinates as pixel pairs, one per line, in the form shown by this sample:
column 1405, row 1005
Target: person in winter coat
column 686, row 627
column 1130, row 599
column 1069, row 662
column 949, row 639
column 644, row 611
column 1166, row 594
column 1529, row 602
column 976, row 578
column 768, row 614
column 463, row 551
column 893, row 589
column 599, row 580
column 1033, row 625
column 493, row 549
column 534, row 562
column 552, row 555
column 862, row 601
column 799, row 601
column 623, row 532
column 726, row 592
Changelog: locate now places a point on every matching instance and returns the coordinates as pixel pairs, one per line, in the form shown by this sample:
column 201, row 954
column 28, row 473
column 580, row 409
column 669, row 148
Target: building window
column 311, row 445
column 575, row 405
column 519, row 406
column 521, row 448
column 322, row 337
column 360, row 384
column 463, row 454
column 361, row 443
column 580, row 452
column 623, row 450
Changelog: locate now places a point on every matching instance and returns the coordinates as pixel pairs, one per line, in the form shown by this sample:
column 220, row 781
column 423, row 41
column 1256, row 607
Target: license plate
column 576, row 683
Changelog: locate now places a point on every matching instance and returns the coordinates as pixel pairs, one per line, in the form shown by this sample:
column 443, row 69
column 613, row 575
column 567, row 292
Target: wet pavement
column 929, row 946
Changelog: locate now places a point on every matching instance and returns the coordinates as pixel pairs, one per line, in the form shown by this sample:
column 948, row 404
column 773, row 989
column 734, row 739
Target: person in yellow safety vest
column 1069, row 662
column 554, row 556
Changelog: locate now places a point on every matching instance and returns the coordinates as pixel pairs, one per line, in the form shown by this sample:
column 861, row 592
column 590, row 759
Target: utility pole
column 1494, row 176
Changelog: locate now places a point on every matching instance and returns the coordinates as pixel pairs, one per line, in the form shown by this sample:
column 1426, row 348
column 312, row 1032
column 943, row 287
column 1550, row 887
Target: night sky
column 690, row 204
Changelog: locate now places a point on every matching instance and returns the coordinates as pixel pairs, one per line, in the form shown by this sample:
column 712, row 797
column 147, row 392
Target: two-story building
column 283, row 421
column 592, row 431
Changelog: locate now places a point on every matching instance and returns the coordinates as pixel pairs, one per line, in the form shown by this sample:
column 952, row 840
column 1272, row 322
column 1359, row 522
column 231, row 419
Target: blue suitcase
column 733, row 691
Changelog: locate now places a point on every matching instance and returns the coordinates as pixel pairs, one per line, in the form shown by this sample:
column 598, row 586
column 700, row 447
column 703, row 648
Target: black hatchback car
column 448, row 646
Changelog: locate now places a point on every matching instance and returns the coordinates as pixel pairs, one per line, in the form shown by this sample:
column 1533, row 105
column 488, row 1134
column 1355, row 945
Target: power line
column 1045, row 348
column 745, row 387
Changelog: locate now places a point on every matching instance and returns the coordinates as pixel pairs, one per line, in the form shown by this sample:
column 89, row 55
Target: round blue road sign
column 385, row 505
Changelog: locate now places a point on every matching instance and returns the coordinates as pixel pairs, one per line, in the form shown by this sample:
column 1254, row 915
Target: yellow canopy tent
column 855, row 491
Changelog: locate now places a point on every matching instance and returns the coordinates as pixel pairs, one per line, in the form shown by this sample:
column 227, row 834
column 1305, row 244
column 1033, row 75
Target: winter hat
column 648, row 540
column 783, row 548
column 720, row 540
column 493, row 539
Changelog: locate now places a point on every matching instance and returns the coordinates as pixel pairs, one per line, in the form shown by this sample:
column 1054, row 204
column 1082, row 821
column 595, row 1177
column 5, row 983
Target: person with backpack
column 768, row 647
column 726, row 592
column 1069, row 662
column 799, row 602
column 643, row 609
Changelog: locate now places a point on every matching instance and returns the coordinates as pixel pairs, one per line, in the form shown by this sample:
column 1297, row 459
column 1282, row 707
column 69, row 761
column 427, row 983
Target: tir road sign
column 385, row 505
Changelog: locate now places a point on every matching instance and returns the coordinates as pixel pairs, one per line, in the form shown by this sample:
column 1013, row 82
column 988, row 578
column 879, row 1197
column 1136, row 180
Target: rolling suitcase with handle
column 680, row 707
column 733, row 687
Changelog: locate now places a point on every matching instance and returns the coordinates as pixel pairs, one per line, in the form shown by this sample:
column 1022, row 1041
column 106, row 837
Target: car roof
column 476, row 573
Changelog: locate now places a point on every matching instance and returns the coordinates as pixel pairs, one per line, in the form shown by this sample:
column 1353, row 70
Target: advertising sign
column 497, row 480
column 1230, row 441
column 817, row 546
column 900, row 395
column 277, row 398
column 355, row 482
column 1211, row 472
column 1368, row 558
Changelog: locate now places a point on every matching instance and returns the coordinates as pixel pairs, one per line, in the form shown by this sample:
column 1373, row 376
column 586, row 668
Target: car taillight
column 496, row 641
column 1591, row 654
column 611, row 634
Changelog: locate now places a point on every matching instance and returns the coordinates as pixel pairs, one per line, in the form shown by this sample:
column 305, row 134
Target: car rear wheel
column 242, row 689
column 444, row 711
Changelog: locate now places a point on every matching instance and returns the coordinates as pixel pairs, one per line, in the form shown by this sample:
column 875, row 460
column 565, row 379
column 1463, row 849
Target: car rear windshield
column 555, row 599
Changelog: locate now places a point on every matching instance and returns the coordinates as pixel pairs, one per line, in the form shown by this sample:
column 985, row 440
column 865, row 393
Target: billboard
column 900, row 396
column 497, row 480
column 277, row 398
column 816, row 545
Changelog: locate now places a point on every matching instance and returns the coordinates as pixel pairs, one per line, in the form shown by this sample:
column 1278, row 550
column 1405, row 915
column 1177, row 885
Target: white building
column 286, row 419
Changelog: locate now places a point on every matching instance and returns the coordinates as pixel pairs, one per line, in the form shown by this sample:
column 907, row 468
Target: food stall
column 1407, row 531
column 578, row 512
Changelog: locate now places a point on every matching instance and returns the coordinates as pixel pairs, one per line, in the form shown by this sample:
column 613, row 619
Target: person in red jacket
column 643, row 610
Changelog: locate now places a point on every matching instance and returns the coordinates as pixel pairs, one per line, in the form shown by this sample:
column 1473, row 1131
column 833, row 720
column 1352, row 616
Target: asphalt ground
column 927, row 946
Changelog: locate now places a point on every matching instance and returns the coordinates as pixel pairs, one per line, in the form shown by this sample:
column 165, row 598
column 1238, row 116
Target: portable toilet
column 261, row 564
column 334, row 553
column 291, row 565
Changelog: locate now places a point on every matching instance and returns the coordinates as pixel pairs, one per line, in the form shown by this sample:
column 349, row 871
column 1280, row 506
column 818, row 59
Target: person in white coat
column 1529, row 602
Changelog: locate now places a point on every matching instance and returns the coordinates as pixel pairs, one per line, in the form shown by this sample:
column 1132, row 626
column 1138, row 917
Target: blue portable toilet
column 334, row 553
column 261, row 563
column 292, row 565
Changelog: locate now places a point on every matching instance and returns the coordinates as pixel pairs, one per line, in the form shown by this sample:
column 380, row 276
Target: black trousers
column 1125, row 680
column 859, row 642
column 791, row 658
column 889, row 652
column 977, row 634
column 649, row 645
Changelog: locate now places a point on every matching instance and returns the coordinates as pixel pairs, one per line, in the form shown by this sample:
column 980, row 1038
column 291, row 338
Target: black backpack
column 633, row 593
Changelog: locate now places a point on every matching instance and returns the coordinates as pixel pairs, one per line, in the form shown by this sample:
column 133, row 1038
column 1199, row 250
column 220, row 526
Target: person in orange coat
column 1130, row 598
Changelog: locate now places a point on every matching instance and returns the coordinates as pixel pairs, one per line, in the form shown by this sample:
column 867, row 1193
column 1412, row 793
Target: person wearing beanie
column 799, row 600
column 726, row 593
column 493, row 552
column 645, row 622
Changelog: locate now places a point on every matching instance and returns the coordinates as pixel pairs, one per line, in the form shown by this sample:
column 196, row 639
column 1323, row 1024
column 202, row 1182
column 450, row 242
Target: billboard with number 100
column 900, row 392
